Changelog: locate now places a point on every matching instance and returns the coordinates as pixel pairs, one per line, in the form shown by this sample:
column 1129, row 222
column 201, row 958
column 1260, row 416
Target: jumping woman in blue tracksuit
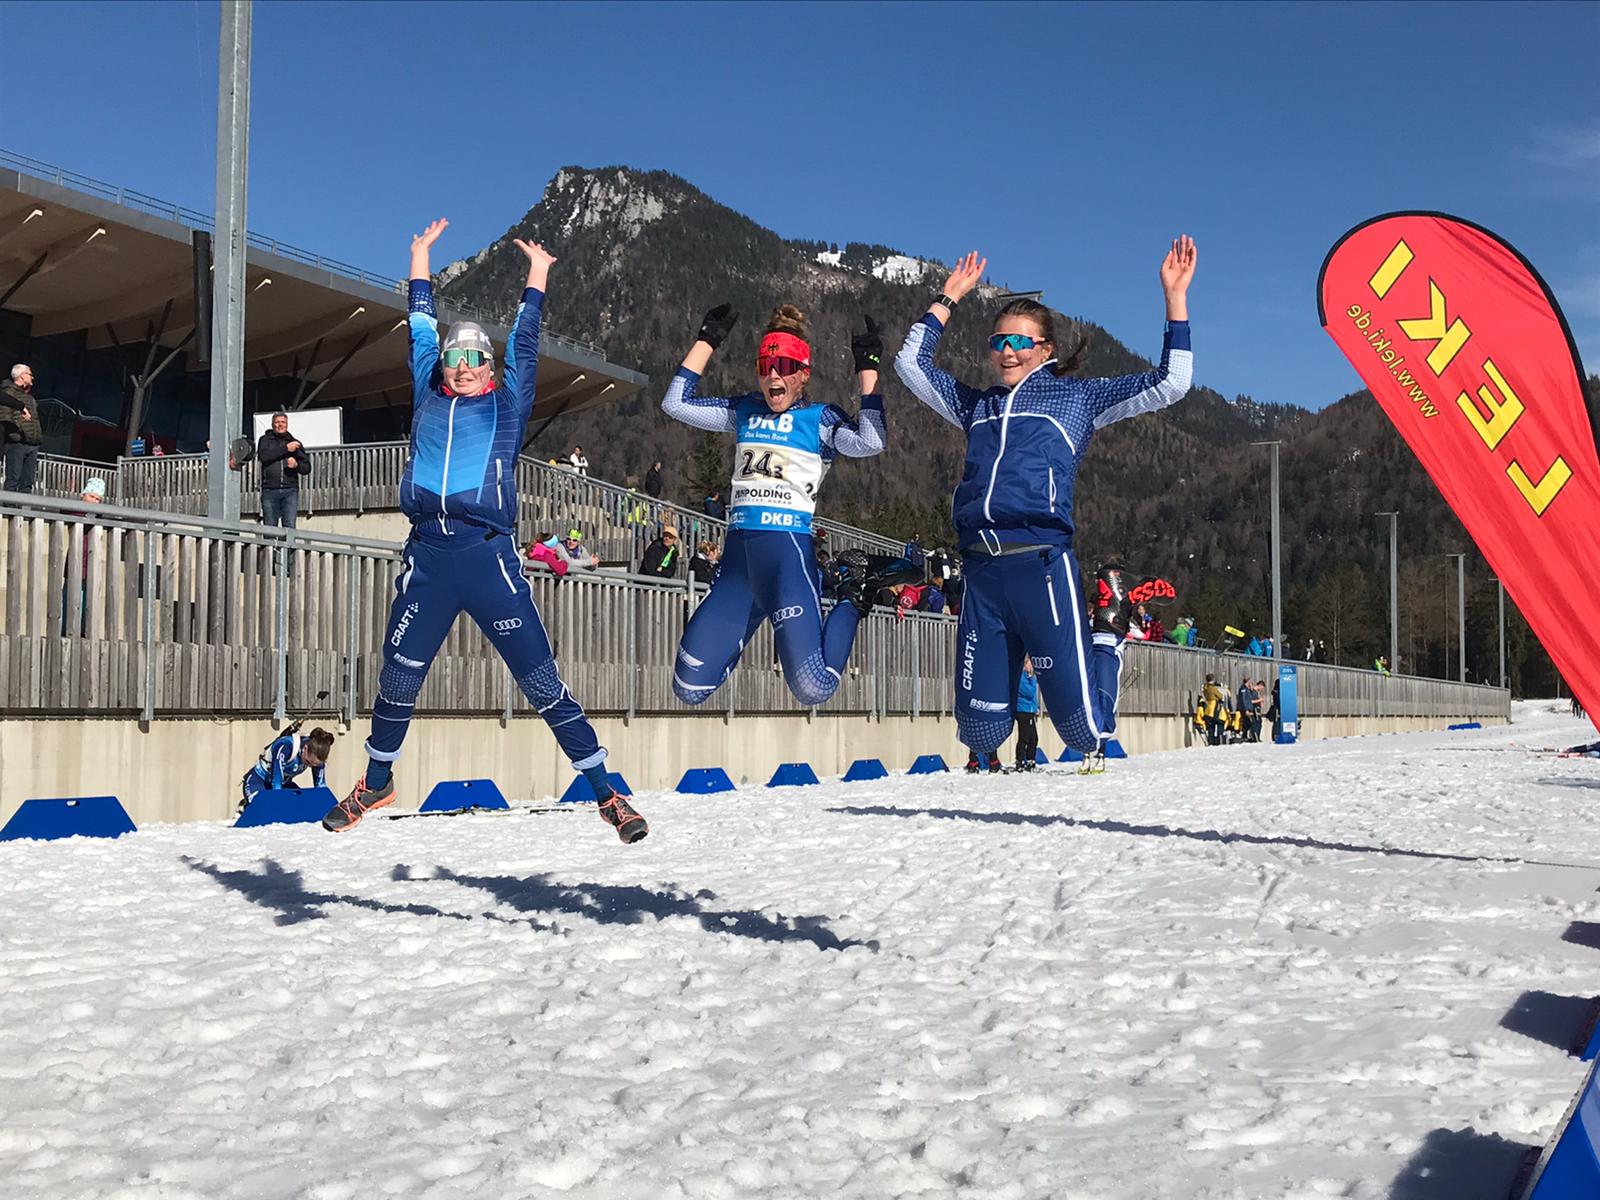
column 459, row 490
column 768, row 571
column 1013, row 507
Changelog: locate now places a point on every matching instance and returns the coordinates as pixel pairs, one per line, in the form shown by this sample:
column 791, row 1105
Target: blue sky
column 1067, row 142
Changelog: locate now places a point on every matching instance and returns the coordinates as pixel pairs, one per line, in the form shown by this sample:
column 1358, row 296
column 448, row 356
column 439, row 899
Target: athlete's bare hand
column 965, row 277
column 1177, row 269
column 424, row 241
column 537, row 254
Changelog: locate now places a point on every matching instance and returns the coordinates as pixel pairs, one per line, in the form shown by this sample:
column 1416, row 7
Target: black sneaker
column 347, row 814
column 995, row 767
column 1027, row 765
column 859, row 576
column 972, row 762
column 617, row 811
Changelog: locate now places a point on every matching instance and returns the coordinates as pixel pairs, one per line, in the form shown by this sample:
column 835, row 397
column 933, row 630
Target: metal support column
column 151, row 577
column 280, row 706
column 233, row 153
column 353, row 586
column 1500, row 585
column 1277, row 565
column 1394, row 589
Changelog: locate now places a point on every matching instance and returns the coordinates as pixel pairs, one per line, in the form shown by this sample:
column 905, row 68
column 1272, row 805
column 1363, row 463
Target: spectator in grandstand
column 1381, row 665
column 714, row 507
column 704, row 563
column 1183, row 632
column 1027, row 714
column 661, row 556
column 652, row 481
column 573, row 552
column 19, row 429
column 94, row 492
column 579, row 461
column 283, row 462
column 955, row 590
column 933, row 598
column 539, row 551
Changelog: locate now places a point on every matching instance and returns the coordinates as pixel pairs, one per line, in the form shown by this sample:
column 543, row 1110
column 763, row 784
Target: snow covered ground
column 1348, row 968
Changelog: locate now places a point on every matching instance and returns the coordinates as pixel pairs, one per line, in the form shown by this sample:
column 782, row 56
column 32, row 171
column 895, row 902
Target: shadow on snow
column 1462, row 1164
column 284, row 891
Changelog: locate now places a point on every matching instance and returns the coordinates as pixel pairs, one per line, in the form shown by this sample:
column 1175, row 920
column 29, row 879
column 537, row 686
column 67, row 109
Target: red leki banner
column 1465, row 348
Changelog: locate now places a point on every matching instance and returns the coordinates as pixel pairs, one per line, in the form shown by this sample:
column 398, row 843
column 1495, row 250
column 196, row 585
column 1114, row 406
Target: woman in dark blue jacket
column 1013, row 507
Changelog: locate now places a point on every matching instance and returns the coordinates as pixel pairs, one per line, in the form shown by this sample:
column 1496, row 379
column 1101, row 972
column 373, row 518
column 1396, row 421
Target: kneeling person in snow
column 287, row 757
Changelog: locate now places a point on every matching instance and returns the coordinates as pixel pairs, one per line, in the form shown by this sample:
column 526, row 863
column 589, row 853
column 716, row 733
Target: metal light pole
column 1394, row 588
column 233, row 153
column 1500, row 584
column 1461, row 610
column 1277, row 563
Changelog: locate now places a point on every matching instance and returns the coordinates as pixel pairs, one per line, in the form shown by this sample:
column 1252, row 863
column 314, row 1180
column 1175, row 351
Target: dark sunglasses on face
column 783, row 366
column 1017, row 341
column 467, row 358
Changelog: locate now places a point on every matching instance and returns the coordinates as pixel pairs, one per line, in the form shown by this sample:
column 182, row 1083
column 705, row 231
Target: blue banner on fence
column 1288, row 704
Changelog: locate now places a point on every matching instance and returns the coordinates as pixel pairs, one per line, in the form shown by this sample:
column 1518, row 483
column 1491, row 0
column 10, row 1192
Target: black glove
column 867, row 347
column 716, row 324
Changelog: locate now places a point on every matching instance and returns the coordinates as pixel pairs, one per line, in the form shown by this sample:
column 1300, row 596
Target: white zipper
column 444, row 478
column 499, row 498
column 1005, row 427
column 1053, row 487
column 1050, row 586
column 511, row 587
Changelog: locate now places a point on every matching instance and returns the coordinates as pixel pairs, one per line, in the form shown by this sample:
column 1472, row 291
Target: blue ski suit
column 278, row 766
column 459, row 491
column 1012, row 512
column 769, row 565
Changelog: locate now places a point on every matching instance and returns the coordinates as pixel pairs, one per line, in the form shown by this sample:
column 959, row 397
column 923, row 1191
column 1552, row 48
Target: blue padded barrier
column 1071, row 755
column 452, row 795
column 1466, row 725
column 1114, row 749
column 286, row 806
column 865, row 768
column 1569, row 1169
column 581, row 791
column 74, row 816
column 702, row 781
column 928, row 764
column 793, row 775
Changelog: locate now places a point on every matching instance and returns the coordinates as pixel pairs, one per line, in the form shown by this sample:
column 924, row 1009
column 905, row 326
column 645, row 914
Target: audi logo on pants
column 508, row 625
column 1042, row 664
column 784, row 614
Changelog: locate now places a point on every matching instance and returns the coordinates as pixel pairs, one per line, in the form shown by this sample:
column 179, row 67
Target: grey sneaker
column 347, row 814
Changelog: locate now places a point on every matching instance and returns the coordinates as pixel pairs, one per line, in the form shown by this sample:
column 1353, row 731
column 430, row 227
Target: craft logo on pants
column 966, row 660
column 405, row 623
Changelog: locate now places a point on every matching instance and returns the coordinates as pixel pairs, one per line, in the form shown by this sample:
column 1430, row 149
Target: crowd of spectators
column 1225, row 718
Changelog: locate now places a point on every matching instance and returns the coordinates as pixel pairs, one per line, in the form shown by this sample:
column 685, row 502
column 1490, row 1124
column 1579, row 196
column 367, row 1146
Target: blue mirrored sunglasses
column 470, row 358
column 1017, row 341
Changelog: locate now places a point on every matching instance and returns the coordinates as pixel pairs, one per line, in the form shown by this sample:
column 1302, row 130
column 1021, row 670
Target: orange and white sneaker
column 347, row 814
column 618, row 812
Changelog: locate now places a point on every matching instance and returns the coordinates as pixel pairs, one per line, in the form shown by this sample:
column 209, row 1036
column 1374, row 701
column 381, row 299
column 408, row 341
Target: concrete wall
column 186, row 769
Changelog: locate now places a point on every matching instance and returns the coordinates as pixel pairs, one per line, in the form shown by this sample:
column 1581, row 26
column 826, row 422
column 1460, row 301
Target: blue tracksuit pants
column 1031, row 604
column 482, row 576
column 766, row 575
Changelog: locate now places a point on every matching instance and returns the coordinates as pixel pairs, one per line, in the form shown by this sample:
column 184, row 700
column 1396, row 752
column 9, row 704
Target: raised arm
column 422, row 321
column 939, row 390
column 714, row 414
column 522, row 350
column 1129, row 395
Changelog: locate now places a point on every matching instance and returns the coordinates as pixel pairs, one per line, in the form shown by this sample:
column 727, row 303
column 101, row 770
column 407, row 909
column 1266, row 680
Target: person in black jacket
column 283, row 462
column 19, row 429
column 661, row 556
column 652, row 481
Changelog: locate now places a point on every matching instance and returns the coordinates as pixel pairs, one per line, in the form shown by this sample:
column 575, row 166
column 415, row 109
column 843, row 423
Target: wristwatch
column 941, row 298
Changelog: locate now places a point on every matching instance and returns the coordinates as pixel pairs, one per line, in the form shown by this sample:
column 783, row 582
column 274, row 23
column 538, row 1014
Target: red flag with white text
column 1464, row 346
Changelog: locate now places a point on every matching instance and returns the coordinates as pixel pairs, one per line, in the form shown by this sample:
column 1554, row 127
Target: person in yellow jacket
column 1211, row 700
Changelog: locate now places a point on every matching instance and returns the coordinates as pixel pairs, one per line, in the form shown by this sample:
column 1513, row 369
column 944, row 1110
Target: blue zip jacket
column 461, row 475
column 1027, row 693
column 1024, row 443
column 280, row 763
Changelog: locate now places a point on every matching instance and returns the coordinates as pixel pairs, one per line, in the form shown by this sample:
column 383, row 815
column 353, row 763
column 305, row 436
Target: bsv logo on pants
column 787, row 614
column 507, row 625
column 405, row 623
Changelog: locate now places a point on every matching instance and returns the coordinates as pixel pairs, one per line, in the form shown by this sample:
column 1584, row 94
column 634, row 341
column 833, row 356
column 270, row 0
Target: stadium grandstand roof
column 80, row 255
